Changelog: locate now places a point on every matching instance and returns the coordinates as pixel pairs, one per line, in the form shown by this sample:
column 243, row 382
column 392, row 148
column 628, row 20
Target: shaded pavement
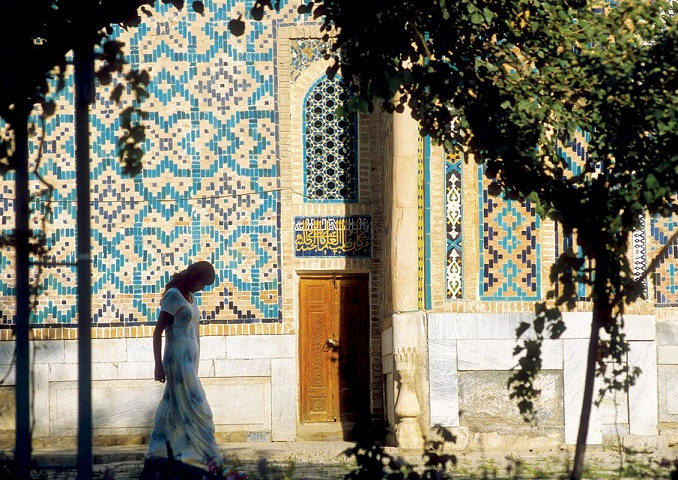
column 318, row 460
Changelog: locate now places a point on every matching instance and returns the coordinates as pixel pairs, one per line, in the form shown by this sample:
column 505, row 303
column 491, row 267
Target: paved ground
column 326, row 460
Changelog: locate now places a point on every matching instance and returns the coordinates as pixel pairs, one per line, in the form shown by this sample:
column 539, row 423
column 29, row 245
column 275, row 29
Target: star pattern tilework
column 330, row 150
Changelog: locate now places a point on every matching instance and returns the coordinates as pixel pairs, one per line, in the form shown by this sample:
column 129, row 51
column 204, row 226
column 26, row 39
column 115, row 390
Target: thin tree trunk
column 23, row 307
column 587, row 401
column 84, row 95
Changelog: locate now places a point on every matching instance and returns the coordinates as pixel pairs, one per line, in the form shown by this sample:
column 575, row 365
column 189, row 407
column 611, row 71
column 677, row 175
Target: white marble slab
column 8, row 373
column 240, row 401
column 109, row 350
column 213, row 347
column 122, row 406
column 105, row 371
column 71, row 351
column 614, row 412
column 640, row 327
column 206, row 368
column 667, row 333
column 63, row 372
column 464, row 326
column 6, row 351
column 48, row 351
column 643, row 403
column 137, row 370
column 574, row 373
column 444, row 383
column 259, row 367
column 128, row 406
column 139, row 349
column 667, row 379
column 40, row 410
column 283, row 400
column 408, row 330
column 636, row 327
column 261, row 346
column 498, row 354
column 667, row 354
column 577, row 325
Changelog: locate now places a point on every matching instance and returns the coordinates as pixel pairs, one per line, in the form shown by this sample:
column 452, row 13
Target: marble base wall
column 471, row 355
column 250, row 383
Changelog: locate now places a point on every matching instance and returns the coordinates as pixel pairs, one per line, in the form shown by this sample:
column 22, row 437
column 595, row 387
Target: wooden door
column 333, row 349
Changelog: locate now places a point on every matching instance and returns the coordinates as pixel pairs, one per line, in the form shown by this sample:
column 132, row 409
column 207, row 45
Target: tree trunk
column 23, row 308
column 84, row 95
column 587, row 402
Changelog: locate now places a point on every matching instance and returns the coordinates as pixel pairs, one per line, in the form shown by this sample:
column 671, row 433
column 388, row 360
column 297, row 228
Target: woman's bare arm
column 164, row 320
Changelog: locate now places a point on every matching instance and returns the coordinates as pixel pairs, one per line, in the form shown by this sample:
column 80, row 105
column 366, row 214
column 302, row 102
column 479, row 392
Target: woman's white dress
column 184, row 417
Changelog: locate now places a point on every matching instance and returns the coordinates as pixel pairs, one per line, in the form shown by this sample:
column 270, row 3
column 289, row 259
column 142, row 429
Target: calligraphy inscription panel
column 349, row 236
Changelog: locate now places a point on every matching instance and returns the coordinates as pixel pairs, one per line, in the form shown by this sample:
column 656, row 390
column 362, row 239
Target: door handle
column 330, row 344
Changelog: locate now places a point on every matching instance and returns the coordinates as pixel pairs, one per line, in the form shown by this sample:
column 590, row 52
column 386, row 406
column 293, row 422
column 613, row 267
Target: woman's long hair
column 203, row 269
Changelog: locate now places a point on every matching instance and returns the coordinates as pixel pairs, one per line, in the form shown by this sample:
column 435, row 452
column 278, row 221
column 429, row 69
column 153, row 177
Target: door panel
column 353, row 354
column 334, row 377
column 317, row 399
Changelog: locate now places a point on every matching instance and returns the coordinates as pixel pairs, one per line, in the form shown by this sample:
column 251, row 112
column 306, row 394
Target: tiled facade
column 248, row 166
column 209, row 189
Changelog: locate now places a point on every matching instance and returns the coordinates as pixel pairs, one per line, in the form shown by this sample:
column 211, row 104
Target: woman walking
column 184, row 428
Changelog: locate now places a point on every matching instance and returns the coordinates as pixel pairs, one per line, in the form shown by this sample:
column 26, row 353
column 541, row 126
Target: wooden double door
column 333, row 349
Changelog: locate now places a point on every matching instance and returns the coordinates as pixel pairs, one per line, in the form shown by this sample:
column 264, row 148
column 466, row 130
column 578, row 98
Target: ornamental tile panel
column 304, row 52
column 665, row 275
column 453, row 222
column 510, row 255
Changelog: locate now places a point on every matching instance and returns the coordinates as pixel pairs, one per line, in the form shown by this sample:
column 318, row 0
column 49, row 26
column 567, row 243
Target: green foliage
column 510, row 82
column 373, row 462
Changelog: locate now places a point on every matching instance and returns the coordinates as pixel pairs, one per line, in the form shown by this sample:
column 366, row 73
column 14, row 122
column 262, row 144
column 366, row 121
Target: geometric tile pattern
column 665, row 275
column 575, row 155
column 574, row 151
column 208, row 190
column 510, row 255
column 453, row 222
column 330, row 150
